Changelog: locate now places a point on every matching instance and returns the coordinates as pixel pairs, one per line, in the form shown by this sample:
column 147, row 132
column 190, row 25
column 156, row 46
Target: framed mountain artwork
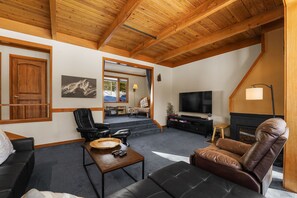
column 78, row 87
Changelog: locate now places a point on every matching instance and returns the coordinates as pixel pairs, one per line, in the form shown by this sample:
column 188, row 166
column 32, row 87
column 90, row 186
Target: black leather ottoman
column 184, row 180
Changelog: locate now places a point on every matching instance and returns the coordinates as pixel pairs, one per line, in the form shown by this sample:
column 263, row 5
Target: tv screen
column 196, row 102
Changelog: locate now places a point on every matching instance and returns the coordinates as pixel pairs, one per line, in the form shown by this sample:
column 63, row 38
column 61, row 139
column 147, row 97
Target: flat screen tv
column 196, row 102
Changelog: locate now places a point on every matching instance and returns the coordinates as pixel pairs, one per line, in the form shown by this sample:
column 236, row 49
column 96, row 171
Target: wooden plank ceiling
column 170, row 33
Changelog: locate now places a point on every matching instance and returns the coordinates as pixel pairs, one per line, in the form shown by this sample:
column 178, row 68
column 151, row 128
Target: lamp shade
column 254, row 93
column 135, row 86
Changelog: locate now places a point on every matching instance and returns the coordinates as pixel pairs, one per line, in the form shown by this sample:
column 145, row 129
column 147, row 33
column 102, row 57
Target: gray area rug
column 60, row 169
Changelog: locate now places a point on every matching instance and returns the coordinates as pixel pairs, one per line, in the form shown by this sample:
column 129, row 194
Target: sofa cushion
column 19, row 157
column 184, row 180
column 6, row 193
column 142, row 189
column 14, row 177
column 26, row 157
column 6, row 147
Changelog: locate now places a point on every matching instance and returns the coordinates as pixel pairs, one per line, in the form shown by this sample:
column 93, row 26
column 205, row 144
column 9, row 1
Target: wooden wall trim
column 25, row 120
column 0, row 86
column 24, row 28
column 247, row 74
column 13, row 136
column 290, row 157
column 24, row 44
column 138, row 75
column 132, row 65
column 76, row 41
column 62, row 110
column 58, row 143
column 158, row 124
column 127, row 63
column 36, row 47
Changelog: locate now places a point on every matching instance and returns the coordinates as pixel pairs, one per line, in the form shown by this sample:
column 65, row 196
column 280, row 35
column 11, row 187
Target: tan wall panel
column 269, row 70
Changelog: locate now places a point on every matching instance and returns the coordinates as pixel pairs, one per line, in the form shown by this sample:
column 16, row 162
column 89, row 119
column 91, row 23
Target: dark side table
column 106, row 162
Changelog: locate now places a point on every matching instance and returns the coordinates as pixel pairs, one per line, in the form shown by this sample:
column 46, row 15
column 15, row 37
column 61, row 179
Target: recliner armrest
column 233, row 146
column 102, row 125
column 25, row 144
column 218, row 158
column 87, row 130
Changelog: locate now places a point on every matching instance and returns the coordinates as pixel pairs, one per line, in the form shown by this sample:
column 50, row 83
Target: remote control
column 123, row 153
column 116, row 152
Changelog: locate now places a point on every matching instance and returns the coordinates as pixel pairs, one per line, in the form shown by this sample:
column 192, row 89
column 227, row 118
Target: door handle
column 15, row 96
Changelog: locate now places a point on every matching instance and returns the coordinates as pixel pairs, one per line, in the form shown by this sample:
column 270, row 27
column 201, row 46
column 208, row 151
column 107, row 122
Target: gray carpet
column 60, row 169
column 124, row 118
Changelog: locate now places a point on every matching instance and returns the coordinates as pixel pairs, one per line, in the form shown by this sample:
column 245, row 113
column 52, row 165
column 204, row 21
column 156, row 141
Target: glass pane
column 123, row 90
column 110, row 89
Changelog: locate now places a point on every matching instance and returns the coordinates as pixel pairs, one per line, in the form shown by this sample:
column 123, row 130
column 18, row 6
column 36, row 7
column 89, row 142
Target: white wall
column 220, row 74
column 141, row 92
column 163, row 93
column 79, row 61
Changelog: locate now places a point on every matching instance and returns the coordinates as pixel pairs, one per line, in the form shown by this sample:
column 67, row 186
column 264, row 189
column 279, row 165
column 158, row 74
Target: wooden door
column 28, row 83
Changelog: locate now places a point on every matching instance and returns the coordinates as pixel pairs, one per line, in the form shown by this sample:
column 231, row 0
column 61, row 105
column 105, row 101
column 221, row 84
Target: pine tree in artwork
column 170, row 109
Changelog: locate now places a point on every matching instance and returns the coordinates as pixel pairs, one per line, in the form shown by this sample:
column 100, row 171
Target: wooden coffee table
column 106, row 162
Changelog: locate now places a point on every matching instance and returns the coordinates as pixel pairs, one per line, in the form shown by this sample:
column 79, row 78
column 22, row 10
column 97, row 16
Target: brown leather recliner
column 244, row 164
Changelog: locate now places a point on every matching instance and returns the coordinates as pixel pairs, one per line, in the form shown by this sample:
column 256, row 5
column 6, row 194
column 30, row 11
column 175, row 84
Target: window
column 26, row 91
column 115, row 89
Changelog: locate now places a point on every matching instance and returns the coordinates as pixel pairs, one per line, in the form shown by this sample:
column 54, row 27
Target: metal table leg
column 85, row 167
column 102, row 185
column 143, row 169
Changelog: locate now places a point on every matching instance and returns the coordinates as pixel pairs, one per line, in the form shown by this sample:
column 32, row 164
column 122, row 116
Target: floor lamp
column 135, row 87
column 256, row 93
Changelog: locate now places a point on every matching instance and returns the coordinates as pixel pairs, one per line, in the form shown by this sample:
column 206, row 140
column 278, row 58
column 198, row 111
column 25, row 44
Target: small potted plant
column 170, row 109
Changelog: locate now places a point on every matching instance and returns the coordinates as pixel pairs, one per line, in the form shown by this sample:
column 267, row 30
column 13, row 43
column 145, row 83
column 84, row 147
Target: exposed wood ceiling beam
column 46, row 33
column 53, row 9
column 204, row 10
column 221, row 50
column 227, row 32
column 124, row 14
column 24, row 28
column 272, row 26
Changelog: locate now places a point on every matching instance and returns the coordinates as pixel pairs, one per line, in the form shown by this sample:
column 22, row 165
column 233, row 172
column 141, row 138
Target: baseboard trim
column 158, row 124
column 58, row 143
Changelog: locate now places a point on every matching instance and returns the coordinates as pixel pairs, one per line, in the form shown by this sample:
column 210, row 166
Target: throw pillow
column 144, row 102
column 34, row 193
column 6, row 147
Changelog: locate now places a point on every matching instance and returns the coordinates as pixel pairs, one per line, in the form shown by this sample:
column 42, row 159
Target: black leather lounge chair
column 92, row 131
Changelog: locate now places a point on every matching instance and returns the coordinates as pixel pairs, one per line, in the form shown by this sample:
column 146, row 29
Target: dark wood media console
column 191, row 124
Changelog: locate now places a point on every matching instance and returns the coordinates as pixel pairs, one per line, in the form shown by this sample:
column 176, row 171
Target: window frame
column 33, row 47
column 117, row 89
